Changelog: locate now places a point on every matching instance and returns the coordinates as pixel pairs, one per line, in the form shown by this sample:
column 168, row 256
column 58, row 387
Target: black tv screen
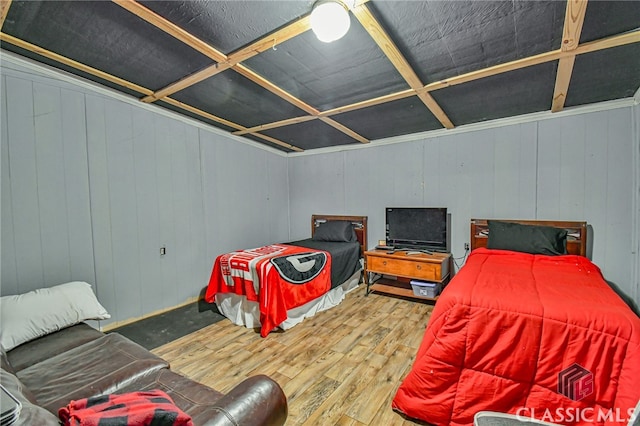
column 419, row 227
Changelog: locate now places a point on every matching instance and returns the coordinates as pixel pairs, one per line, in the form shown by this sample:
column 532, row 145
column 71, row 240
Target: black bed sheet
column 345, row 257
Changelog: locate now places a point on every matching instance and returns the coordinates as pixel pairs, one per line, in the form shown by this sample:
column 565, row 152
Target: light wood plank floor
column 341, row 367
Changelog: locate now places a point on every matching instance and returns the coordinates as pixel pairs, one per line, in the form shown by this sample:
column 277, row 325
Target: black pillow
column 527, row 238
column 336, row 230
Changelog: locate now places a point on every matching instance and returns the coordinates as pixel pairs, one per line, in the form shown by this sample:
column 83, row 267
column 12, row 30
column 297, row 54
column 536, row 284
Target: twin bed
column 279, row 285
column 535, row 335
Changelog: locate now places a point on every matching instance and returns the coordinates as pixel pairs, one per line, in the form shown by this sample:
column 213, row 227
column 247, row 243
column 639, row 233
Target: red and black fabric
column 152, row 408
column 262, row 275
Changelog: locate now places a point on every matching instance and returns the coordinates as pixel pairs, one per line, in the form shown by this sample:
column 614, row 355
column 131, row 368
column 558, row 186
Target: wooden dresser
column 400, row 268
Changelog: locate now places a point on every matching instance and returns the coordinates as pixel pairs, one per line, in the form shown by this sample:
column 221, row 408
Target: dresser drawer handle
column 418, row 267
column 384, row 262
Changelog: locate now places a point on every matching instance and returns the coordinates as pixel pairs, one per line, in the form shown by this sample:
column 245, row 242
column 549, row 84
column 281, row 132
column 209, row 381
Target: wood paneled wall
column 578, row 167
column 247, row 199
column 92, row 187
column 46, row 224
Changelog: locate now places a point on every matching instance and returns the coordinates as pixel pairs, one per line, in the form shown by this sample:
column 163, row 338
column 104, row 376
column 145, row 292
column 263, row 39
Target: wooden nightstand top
column 425, row 257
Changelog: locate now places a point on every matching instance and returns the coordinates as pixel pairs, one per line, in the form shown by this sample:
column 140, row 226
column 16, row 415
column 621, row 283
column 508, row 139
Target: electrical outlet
column 466, row 246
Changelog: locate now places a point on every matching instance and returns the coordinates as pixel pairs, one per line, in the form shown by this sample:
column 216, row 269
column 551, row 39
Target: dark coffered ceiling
column 255, row 69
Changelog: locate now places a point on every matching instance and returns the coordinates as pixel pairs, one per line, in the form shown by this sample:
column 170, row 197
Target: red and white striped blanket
column 279, row 277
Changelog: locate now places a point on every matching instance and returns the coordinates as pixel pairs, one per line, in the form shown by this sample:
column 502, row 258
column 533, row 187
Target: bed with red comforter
column 255, row 274
column 262, row 286
column 534, row 335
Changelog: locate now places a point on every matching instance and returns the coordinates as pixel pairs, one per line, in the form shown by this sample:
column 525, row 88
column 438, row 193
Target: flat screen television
column 424, row 228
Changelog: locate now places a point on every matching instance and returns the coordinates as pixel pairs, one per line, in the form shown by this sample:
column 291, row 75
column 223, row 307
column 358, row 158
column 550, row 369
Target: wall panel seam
column 91, row 206
column 66, row 189
column 635, row 203
column 35, row 154
column 9, row 186
column 536, row 163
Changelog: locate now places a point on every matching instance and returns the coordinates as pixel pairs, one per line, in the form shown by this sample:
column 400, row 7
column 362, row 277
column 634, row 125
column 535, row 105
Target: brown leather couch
column 80, row 362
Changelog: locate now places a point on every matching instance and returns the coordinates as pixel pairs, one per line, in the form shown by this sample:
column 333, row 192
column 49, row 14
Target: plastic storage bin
column 425, row 289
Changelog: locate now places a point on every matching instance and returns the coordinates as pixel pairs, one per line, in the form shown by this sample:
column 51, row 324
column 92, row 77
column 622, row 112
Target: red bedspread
column 536, row 336
column 279, row 277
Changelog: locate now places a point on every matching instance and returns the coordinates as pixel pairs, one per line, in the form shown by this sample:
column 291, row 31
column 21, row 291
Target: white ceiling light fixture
column 330, row 20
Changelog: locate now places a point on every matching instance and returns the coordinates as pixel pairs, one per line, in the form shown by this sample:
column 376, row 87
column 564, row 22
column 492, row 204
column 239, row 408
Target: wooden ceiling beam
column 388, row 47
column 609, row 42
column 270, row 41
column 228, row 123
column 171, row 29
column 224, row 62
column 4, row 10
column 369, row 103
column 203, row 114
column 234, row 59
column 435, row 109
column 352, row 4
column 73, row 64
column 344, row 129
column 563, row 78
column 276, row 124
column 382, row 39
column 188, row 81
column 573, row 20
column 494, row 70
column 278, row 142
column 261, row 81
column 314, row 113
column 593, row 46
column 187, row 38
column 281, row 123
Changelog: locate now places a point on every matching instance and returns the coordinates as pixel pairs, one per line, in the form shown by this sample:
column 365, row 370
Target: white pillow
column 34, row 314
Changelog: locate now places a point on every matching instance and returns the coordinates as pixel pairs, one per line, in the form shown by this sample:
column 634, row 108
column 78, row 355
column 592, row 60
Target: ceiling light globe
column 330, row 20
